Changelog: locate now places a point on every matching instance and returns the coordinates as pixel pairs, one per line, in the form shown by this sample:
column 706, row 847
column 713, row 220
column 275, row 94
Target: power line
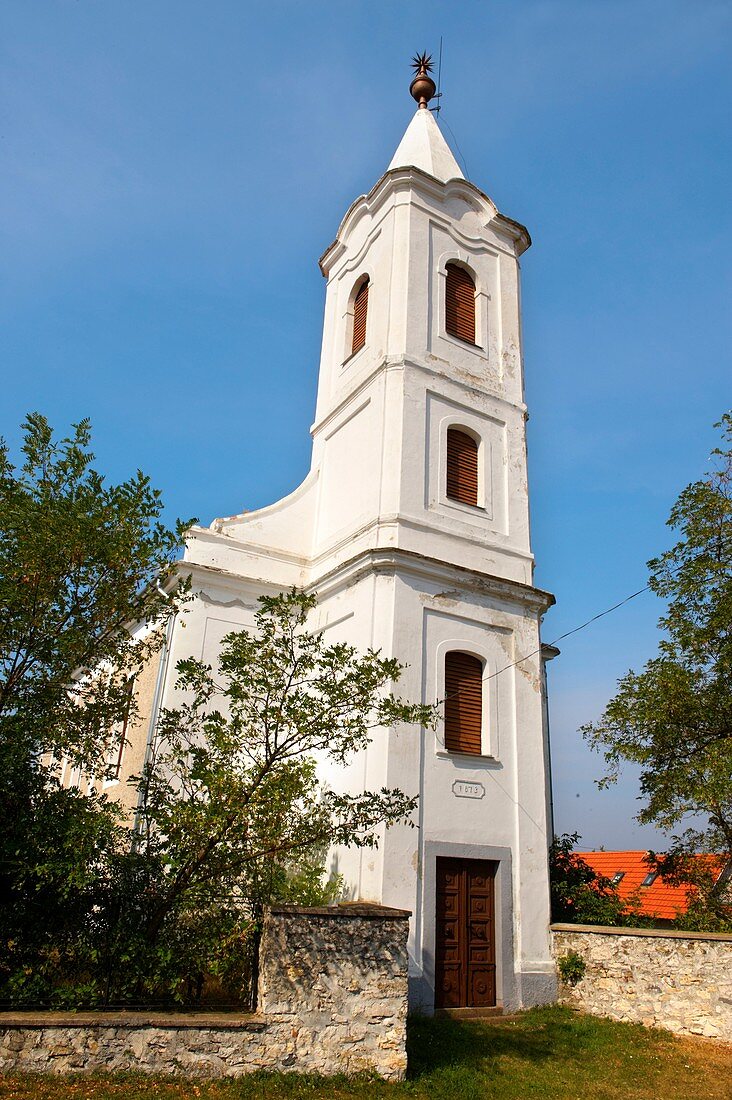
column 526, row 657
column 574, row 630
column 457, row 147
column 567, row 634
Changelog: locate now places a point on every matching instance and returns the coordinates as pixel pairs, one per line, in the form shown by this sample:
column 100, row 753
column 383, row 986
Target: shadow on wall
column 334, row 959
column 336, row 978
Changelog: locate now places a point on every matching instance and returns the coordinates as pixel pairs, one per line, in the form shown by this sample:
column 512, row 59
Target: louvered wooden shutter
column 460, row 304
column 129, row 686
column 463, row 702
column 360, row 308
column 462, row 467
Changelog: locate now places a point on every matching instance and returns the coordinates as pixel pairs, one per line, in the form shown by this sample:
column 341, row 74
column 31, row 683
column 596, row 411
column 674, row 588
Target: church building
column 412, row 527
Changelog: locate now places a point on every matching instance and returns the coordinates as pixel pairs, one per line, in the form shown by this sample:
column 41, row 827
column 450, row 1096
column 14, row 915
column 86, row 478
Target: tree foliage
column 674, row 719
column 231, row 798
column 707, row 882
column 97, row 909
column 233, row 815
column 579, row 895
column 80, row 562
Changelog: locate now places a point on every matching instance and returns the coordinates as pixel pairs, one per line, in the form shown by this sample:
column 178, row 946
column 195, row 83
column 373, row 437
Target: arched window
column 460, row 303
column 463, row 702
column 462, row 467
column 360, row 308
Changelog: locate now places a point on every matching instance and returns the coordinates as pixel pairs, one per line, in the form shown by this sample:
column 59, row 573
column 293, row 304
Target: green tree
column 674, row 719
column 579, row 895
column 233, row 816
column 707, row 882
column 92, row 910
column 81, row 561
column 233, row 812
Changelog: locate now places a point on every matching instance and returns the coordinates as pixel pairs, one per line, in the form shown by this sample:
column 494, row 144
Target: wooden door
column 465, row 971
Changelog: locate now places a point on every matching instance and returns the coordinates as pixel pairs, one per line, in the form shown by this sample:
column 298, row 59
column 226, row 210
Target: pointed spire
column 423, row 146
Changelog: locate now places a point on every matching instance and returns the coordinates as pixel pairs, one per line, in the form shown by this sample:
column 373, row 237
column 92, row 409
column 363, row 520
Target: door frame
column 507, row 994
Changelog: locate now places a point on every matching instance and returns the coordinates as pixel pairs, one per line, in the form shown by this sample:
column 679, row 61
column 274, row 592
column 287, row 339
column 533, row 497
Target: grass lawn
column 551, row 1054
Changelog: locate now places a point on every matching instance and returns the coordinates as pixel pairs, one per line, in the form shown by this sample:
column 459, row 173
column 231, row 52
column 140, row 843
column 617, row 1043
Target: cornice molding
column 396, row 179
column 225, row 578
column 386, row 562
column 389, row 562
column 241, row 545
column 398, row 363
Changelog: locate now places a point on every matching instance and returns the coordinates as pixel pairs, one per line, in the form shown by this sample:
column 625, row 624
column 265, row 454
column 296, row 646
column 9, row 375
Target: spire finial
column 423, row 86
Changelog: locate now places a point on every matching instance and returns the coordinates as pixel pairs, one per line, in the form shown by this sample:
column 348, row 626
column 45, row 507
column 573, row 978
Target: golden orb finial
column 423, row 86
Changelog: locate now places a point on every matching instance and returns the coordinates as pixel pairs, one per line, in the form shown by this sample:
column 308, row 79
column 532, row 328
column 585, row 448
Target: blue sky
column 171, row 171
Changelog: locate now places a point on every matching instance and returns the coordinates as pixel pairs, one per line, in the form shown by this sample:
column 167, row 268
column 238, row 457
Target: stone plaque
column 461, row 789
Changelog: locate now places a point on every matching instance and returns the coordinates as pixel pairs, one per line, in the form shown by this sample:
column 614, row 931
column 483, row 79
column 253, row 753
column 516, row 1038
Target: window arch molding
column 460, row 259
column 491, row 690
column 357, row 315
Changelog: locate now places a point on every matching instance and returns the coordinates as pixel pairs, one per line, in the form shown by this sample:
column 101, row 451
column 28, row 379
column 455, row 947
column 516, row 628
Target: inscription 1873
column 462, row 789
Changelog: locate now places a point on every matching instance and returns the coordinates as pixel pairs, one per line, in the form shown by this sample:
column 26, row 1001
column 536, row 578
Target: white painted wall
column 401, row 568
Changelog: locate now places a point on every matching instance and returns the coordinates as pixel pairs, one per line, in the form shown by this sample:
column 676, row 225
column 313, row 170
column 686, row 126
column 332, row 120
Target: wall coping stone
column 171, row 1021
column 653, row 933
column 365, row 910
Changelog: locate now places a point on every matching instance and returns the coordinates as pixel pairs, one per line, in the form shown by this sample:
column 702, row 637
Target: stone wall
column 336, row 979
column 332, row 999
column 678, row 980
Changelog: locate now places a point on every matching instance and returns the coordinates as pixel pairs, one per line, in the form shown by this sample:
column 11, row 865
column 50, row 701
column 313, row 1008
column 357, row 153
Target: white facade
column 400, row 567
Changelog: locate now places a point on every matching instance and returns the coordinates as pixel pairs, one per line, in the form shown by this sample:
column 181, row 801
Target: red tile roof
column 660, row 899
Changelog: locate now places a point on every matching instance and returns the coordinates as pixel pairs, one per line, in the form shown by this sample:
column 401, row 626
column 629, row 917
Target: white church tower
column 413, row 528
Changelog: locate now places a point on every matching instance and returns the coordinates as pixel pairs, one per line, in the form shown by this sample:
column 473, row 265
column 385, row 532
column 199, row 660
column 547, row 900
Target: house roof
column 659, row 899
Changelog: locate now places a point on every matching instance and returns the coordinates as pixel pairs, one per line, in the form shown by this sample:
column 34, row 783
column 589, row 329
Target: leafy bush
column 578, row 894
column 93, row 910
column 672, row 719
column 571, row 968
column 707, row 881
